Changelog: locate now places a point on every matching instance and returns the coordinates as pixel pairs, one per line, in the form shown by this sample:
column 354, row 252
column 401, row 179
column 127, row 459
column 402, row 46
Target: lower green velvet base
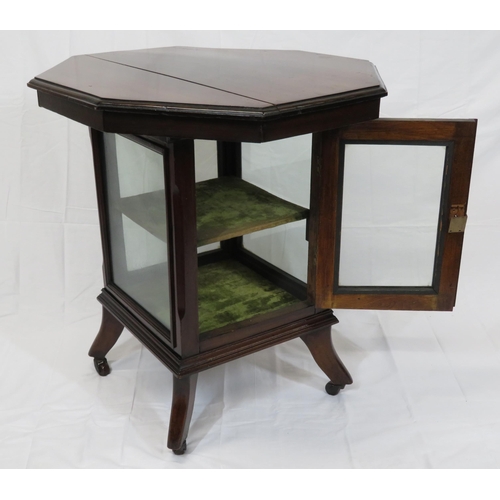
column 229, row 292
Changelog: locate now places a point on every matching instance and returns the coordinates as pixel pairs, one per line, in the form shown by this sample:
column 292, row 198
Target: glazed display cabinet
column 371, row 216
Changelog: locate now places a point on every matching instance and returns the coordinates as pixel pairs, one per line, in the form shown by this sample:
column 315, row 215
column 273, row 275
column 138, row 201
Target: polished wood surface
column 459, row 136
column 220, row 94
column 320, row 345
column 106, row 338
column 183, row 393
column 248, row 337
column 183, row 258
column 230, row 78
column 105, row 83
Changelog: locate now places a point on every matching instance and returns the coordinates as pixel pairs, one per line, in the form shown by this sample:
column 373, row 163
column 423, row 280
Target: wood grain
column 220, row 94
column 326, row 202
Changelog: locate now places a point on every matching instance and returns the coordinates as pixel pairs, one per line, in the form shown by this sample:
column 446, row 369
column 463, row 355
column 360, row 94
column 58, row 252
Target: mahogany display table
column 383, row 229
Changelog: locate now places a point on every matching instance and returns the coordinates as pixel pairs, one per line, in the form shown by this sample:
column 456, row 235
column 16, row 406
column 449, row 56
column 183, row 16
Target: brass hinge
column 458, row 219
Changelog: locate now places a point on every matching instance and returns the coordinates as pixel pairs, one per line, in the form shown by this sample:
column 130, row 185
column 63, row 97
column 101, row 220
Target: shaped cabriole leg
column 320, row 345
column 182, row 409
column 107, row 336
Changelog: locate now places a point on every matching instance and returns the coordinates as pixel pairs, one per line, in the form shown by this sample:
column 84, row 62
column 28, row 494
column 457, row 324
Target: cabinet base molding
column 313, row 329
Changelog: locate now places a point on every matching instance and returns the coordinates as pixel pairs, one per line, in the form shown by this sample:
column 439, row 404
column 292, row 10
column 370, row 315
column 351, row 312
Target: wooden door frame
column 326, row 198
column 178, row 168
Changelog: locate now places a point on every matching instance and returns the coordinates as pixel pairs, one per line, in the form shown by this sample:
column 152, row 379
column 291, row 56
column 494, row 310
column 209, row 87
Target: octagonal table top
column 205, row 82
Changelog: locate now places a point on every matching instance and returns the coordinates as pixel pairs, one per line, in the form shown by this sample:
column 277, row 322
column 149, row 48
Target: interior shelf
column 226, row 207
column 229, row 292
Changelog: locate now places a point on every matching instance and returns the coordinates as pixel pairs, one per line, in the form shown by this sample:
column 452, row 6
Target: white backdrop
column 426, row 390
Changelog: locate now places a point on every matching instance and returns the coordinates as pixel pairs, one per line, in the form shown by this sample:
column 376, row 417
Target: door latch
column 458, row 219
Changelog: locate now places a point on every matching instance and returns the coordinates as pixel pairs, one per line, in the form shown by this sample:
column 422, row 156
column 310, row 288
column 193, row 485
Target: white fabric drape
column 426, row 385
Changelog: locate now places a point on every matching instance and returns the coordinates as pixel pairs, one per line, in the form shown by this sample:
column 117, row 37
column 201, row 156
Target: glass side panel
column 205, row 161
column 390, row 211
column 137, row 224
column 282, row 168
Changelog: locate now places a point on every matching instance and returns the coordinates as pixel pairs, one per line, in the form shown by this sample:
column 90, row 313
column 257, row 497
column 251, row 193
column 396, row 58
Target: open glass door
column 388, row 212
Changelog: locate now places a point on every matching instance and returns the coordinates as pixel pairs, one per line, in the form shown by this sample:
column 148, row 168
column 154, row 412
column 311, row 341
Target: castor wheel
column 333, row 389
column 181, row 450
column 101, row 366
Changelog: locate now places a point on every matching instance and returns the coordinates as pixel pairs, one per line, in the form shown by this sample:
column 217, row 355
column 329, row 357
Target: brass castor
column 101, row 366
column 181, row 450
column 333, row 389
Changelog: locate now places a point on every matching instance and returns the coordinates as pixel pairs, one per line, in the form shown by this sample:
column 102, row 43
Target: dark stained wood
column 209, row 78
column 411, row 129
column 212, row 93
column 109, row 332
column 141, row 314
column 459, row 134
column 244, row 340
column 289, row 76
column 181, row 200
column 108, row 84
column 97, row 143
column 107, row 336
column 141, row 329
column 211, row 256
column 388, row 301
column 225, row 128
column 460, row 177
column 274, row 274
column 229, row 165
column 322, row 119
column 258, row 336
column 229, row 159
column 183, row 393
column 238, row 332
column 322, row 217
column 320, row 345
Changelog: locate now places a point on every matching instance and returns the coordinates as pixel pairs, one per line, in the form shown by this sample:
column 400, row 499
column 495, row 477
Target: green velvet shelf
column 229, row 292
column 227, row 207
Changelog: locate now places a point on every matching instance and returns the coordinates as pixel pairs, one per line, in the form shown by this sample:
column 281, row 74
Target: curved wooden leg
column 107, row 336
column 182, row 410
column 323, row 352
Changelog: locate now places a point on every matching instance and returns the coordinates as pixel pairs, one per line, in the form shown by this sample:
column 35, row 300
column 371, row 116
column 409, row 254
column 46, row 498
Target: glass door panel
column 388, row 210
column 391, row 202
column 138, row 223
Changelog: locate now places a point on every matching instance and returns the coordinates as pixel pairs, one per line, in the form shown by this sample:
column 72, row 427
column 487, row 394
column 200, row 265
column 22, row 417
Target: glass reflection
column 137, row 220
column 390, row 212
column 283, row 168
